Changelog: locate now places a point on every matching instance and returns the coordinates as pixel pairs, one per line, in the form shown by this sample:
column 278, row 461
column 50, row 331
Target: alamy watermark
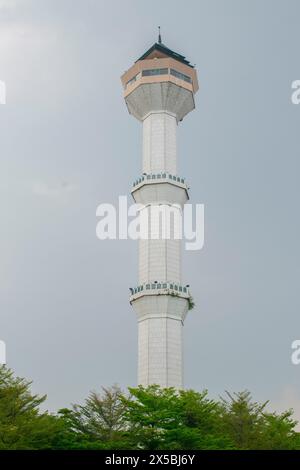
column 295, row 357
column 2, row 343
column 2, row 92
column 2, row 352
column 295, row 96
column 152, row 222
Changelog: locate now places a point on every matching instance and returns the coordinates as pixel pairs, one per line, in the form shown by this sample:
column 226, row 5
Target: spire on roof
column 159, row 36
column 159, row 50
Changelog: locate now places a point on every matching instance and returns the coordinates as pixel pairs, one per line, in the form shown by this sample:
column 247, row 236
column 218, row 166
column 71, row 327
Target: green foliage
column 21, row 424
column 191, row 303
column 149, row 418
column 169, row 419
column 251, row 427
column 99, row 422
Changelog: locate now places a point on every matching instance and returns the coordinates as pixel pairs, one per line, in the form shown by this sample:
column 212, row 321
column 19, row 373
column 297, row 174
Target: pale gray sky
column 64, row 310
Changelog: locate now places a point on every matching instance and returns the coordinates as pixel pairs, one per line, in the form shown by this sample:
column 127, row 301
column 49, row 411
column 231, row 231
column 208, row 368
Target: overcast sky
column 68, row 144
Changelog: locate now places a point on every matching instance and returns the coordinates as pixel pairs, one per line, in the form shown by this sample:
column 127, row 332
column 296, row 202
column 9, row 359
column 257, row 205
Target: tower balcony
column 161, row 299
column 160, row 84
column 157, row 288
column 165, row 294
column 160, row 188
column 161, row 177
column 159, row 70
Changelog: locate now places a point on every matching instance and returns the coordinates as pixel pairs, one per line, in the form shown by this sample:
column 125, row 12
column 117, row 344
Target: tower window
column 133, row 79
column 150, row 72
column 180, row 75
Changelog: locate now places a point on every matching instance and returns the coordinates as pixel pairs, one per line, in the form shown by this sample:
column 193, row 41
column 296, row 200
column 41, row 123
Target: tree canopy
column 149, row 418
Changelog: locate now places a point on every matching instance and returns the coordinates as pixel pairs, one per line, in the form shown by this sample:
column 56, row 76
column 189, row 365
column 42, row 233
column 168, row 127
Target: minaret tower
column 159, row 91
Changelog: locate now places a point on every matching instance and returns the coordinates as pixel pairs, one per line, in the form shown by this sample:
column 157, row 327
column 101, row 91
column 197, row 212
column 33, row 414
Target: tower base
column 160, row 342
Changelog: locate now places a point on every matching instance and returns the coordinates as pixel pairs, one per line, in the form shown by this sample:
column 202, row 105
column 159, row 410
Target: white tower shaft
column 159, row 143
column 159, row 329
column 160, row 317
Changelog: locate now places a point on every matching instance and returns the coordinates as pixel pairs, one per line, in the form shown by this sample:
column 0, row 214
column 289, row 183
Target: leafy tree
column 22, row 426
column 148, row 418
column 250, row 426
column 100, row 421
column 279, row 432
column 203, row 414
column 168, row 419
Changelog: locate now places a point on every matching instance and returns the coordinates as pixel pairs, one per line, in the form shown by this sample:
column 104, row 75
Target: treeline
column 143, row 418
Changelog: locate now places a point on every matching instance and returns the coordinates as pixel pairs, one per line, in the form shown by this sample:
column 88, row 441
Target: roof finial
column 159, row 36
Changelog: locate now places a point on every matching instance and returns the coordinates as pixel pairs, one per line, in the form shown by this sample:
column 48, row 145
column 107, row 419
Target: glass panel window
column 180, row 75
column 132, row 80
column 151, row 72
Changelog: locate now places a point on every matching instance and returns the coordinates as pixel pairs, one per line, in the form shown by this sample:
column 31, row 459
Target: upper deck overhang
column 129, row 84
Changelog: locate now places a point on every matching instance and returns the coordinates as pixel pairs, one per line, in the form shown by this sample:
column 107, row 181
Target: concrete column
column 160, row 352
column 159, row 143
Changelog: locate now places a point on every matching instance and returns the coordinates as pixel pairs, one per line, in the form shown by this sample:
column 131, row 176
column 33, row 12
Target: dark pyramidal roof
column 163, row 50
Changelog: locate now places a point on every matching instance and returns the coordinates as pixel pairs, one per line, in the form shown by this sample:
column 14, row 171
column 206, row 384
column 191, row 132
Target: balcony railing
column 171, row 286
column 158, row 176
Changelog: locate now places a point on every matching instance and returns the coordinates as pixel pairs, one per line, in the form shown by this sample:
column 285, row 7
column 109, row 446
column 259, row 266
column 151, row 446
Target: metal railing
column 172, row 286
column 159, row 176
